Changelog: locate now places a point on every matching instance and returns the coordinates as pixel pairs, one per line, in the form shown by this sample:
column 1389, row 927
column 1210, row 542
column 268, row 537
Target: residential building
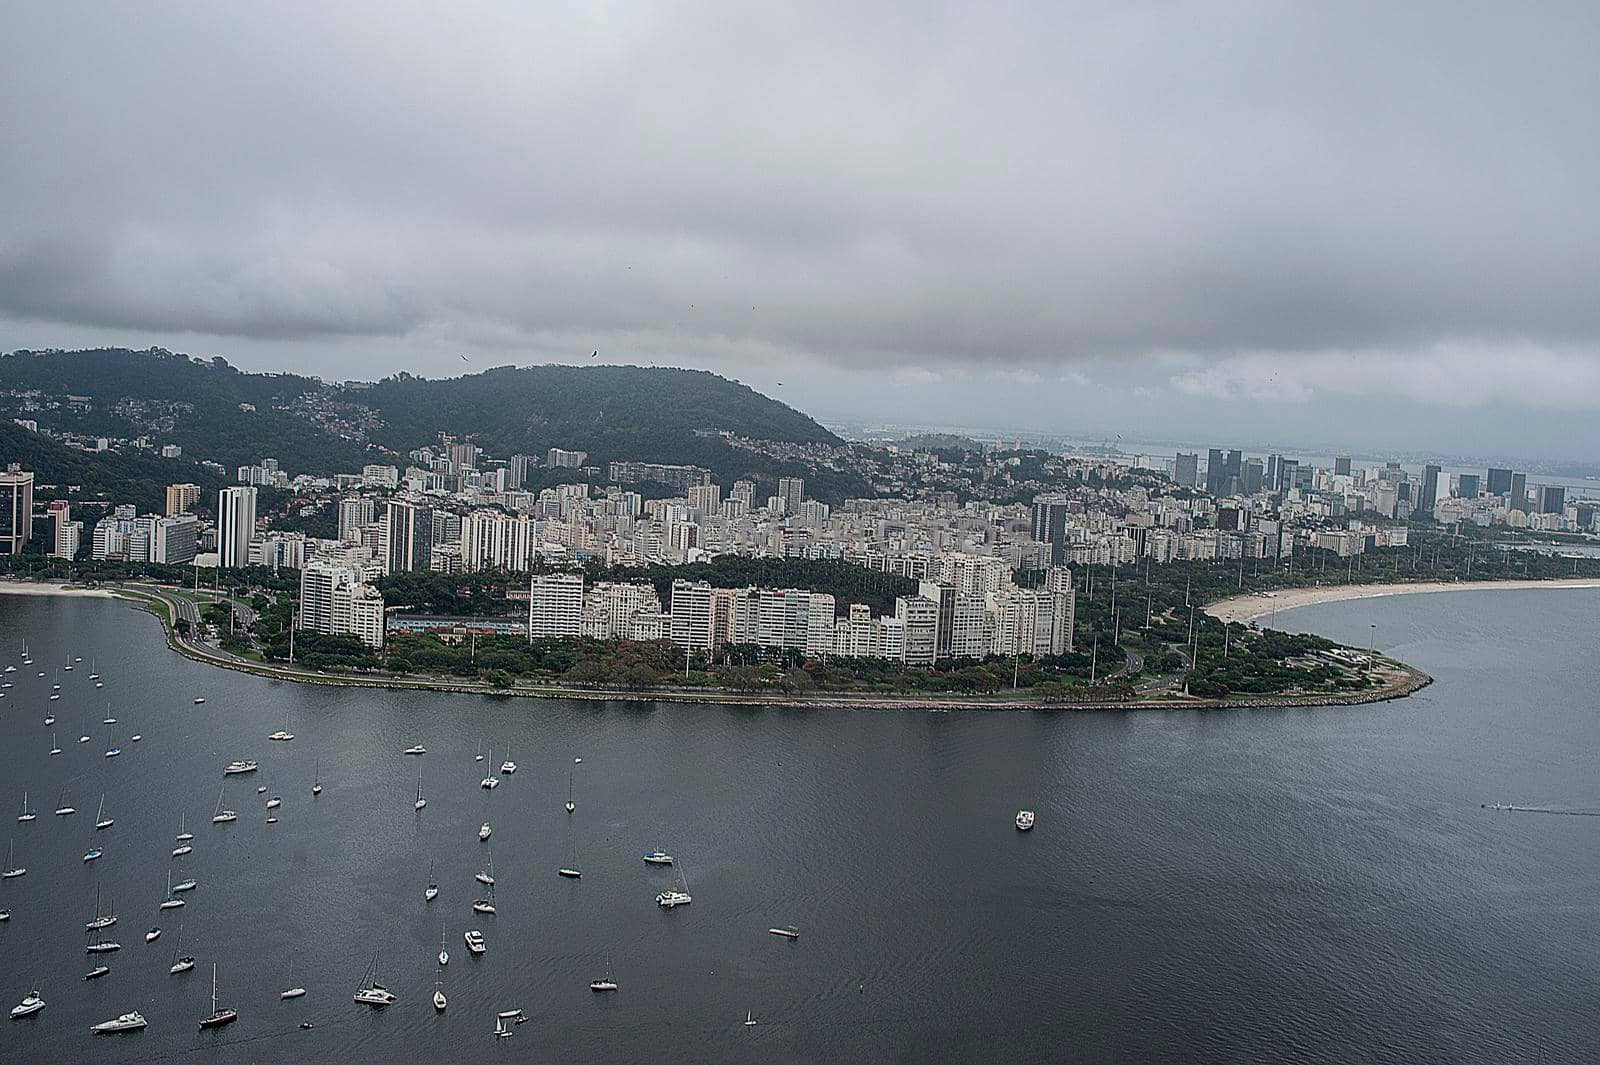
column 691, row 611
column 355, row 512
column 1186, row 469
column 335, row 601
column 557, row 459
column 16, row 510
column 555, row 606
column 792, row 490
column 236, row 526
column 182, row 498
column 491, row 540
column 407, row 537
column 65, row 533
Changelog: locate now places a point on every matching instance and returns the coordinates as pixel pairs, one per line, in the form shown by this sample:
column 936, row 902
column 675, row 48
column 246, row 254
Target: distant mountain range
column 215, row 411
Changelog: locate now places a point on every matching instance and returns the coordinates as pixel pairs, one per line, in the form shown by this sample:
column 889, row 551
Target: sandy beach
column 1252, row 607
column 36, row 588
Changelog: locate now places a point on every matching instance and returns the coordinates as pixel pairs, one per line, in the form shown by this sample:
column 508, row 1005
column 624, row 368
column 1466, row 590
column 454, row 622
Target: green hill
column 137, row 478
column 648, row 414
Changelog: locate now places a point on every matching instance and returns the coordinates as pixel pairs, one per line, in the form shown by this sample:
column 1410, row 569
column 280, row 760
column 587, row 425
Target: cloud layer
column 1261, row 201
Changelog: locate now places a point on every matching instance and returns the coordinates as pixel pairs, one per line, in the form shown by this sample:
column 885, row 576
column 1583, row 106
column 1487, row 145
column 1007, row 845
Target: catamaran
column 100, row 819
column 372, row 993
column 12, row 869
column 490, row 781
column 222, row 816
column 27, row 814
column 508, row 767
column 218, row 1017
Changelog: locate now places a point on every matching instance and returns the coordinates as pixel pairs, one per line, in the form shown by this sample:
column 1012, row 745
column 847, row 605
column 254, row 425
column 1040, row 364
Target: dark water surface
column 1268, row 886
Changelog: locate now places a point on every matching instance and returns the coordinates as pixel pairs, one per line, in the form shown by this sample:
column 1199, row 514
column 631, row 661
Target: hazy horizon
column 1359, row 226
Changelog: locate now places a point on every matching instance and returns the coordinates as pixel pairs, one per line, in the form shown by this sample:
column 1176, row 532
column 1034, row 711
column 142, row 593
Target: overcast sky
column 1344, row 223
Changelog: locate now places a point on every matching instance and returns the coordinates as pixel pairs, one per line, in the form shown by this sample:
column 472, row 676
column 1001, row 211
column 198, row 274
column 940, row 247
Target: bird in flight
column 465, row 359
column 595, row 354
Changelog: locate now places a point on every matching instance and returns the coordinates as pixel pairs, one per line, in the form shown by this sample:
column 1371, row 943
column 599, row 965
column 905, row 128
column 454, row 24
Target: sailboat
column 571, row 806
column 55, row 748
column 444, row 955
column 372, row 993
column 222, row 816
column 101, row 920
column 219, row 1017
column 184, row 836
column 294, row 990
column 490, row 781
column 83, row 727
column 110, row 718
column 421, row 802
column 749, row 1018
column 607, row 982
column 486, row 876
column 484, row 832
column 431, row 892
column 571, row 870
column 316, row 778
column 26, row 815
column 674, row 897
column 62, row 809
column 480, row 752
column 508, row 767
column 283, row 735
column 501, row 1030
column 100, row 819
column 92, row 854
column 12, row 869
column 171, row 902
column 181, row 963
column 439, row 1001
column 113, row 750
column 274, row 801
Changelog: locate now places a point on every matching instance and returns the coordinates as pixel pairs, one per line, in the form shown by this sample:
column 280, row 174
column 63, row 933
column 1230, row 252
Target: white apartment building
column 236, row 526
column 555, row 606
column 335, row 601
column 692, row 614
column 491, row 540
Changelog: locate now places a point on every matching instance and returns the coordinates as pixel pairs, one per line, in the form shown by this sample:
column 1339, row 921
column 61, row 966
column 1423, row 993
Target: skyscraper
column 236, row 526
column 16, row 511
column 1050, row 522
column 1552, row 499
column 1214, row 471
column 1254, row 475
column 792, row 490
column 1341, row 466
column 1186, row 469
column 1499, row 482
column 517, row 470
column 1467, row 486
column 1518, row 497
column 408, row 536
column 1430, row 490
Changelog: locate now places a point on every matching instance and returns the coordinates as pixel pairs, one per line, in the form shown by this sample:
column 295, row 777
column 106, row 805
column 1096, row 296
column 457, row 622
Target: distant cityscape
column 994, row 540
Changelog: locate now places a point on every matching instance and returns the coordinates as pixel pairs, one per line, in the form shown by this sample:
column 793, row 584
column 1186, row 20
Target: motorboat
column 474, row 939
column 657, row 858
column 93, row 854
column 152, row 935
column 1024, row 820
column 514, row 1016
column 128, row 1022
column 199, row 700
column 668, row 899
column 218, row 1017
column 787, row 933
column 484, row 831
column 184, row 885
column 182, row 849
column 416, row 749
column 246, row 766
column 282, row 735
column 569, row 873
column 31, row 1003
column 274, row 802
column 97, row 972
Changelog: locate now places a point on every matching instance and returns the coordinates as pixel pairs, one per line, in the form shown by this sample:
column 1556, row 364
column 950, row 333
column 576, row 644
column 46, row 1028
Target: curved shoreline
column 1402, row 681
column 1257, row 605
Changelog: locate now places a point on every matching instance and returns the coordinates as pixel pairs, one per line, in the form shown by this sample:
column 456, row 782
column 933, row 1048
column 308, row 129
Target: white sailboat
column 439, row 1001
column 171, row 902
column 444, row 955
column 484, row 832
column 221, row 816
column 101, row 821
column 62, row 809
column 294, row 990
column 480, row 752
column 749, row 1019
column 181, row 963
column 571, row 806
column 484, row 905
column 55, row 748
column 371, row 992
column 26, row 815
column 184, row 835
column 431, row 892
column 607, row 982
column 508, row 767
column 316, row 778
column 490, row 781
column 110, row 718
column 83, row 727
column 571, row 870
column 113, row 750
column 101, row 920
column 421, row 802
column 486, row 876
column 12, row 869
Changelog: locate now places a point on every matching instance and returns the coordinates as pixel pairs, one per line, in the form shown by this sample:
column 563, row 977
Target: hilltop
column 139, row 477
column 216, row 411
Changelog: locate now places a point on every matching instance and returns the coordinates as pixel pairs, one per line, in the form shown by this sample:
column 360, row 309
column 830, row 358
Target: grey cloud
column 860, row 186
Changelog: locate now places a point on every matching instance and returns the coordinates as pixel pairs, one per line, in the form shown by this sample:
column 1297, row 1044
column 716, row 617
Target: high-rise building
column 65, row 533
column 1499, row 482
column 706, row 499
column 1518, row 497
column 1552, row 499
column 1430, row 490
column 1288, row 474
column 374, row 476
column 1271, row 480
column 1253, row 477
column 355, row 512
column 1185, row 470
column 174, row 540
column 335, row 601
column 920, row 616
column 792, row 490
column 236, row 526
column 1341, row 465
column 517, row 470
column 16, row 510
column 490, row 540
column 558, row 459
column 408, row 536
column 1050, row 521
column 555, row 606
column 1467, row 486
column 181, row 498
column 1215, row 471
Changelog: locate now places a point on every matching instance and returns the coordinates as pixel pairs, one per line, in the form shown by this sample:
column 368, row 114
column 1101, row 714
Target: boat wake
column 1510, row 808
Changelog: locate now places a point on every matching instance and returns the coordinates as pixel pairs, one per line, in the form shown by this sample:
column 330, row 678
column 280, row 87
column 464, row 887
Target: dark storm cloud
column 1188, row 189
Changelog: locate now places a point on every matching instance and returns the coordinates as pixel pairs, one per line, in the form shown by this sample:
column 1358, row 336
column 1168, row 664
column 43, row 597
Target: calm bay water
column 1272, row 886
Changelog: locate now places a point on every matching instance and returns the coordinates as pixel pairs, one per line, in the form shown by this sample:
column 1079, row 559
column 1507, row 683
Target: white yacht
column 789, row 932
column 12, row 869
column 444, row 955
column 240, row 767
column 474, row 940
column 606, row 982
column 1024, row 820
column 657, row 858
column 26, row 815
column 199, row 700
column 674, row 897
column 128, row 1022
column 421, row 802
column 31, row 1003
column 416, row 749
column 484, row 831
column 516, row 1016
column 508, row 767
column 372, row 993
